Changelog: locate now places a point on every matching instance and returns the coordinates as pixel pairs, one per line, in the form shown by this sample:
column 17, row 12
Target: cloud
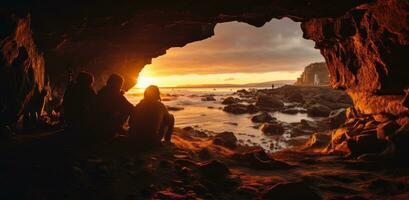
column 239, row 47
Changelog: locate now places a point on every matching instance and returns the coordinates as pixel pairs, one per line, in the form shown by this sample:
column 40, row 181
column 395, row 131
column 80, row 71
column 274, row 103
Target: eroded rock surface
column 21, row 68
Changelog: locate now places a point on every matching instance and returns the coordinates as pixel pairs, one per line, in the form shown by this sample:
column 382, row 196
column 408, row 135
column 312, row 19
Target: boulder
column 292, row 190
column 272, row 129
column 270, row 102
column 263, row 117
column 400, row 142
column 214, row 169
column 351, row 113
column 318, row 110
column 337, row 117
column 385, row 129
column 295, row 97
column 227, row 139
column 230, row 100
column 208, row 98
column 381, row 118
column 365, row 143
column 318, row 140
column 240, row 108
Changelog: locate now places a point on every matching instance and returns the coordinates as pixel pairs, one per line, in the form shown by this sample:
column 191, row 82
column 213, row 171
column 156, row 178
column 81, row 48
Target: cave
column 364, row 43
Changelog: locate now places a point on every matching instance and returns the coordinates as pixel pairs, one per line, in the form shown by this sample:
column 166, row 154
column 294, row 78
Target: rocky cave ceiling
column 122, row 36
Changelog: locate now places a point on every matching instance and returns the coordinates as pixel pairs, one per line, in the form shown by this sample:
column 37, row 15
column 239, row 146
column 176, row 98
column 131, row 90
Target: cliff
column 366, row 51
column 314, row 74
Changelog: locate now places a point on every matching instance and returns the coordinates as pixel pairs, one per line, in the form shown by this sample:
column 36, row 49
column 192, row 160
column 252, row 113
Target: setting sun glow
column 148, row 76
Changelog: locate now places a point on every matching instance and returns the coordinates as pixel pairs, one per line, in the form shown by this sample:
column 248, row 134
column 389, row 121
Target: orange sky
column 237, row 53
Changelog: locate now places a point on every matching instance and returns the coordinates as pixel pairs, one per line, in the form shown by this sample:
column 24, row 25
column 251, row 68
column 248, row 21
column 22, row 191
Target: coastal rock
column 314, row 74
column 214, row 169
column 208, row 98
column 269, row 102
column 295, row 97
column 385, row 129
column 230, row 100
column 304, row 127
column 374, row 42
column 240, row 108
column 261, row 118
column 227, row 139
column 351, row 113
column 318, row 110
column 318, row 140
column 366, row 143
column 337, row 117
column 272, row 129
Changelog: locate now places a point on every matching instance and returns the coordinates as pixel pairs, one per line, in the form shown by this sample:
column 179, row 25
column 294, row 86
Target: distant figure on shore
column 150, row 121
column 78, row 100
column 112, row 109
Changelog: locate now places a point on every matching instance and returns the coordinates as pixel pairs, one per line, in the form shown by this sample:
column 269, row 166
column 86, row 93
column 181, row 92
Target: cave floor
column 51, row 166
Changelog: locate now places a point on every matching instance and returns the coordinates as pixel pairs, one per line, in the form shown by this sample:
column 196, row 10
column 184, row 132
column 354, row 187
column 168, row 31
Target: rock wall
column 366, row 53
column 123, row 36
column 21, row 67
column 315, row 69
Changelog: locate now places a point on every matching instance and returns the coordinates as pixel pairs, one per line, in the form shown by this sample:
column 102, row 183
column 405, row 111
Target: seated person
column 78, row 100
column 112, row 109
column 150, row 121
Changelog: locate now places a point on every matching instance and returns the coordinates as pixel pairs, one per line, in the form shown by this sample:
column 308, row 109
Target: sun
column 143, row 82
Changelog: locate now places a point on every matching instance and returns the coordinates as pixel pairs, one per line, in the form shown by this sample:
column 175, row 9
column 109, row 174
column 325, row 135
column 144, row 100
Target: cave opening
column 196, row 80
column 354, row 153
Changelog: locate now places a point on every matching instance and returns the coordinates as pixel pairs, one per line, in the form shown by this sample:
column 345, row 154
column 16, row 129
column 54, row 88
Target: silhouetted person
column 77, row 102
column 150, row 121
column 112, row 109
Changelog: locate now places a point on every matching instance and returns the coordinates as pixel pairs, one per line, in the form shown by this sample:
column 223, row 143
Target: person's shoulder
column 162, row 106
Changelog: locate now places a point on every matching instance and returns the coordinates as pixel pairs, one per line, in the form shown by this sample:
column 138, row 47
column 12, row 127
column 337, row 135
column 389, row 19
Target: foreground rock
column 266, row 102
column 240, row 108
column 230, row 100
column 208, row 98
column 227, row 139
column 318, row 110
column 263, row 117
column 272, row 129
column 337, row 117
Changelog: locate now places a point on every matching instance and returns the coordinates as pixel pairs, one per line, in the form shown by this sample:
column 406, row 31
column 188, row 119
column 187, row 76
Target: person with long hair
column 150, row 121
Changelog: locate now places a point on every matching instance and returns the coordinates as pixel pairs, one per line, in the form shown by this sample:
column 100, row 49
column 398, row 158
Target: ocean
column 209, row 117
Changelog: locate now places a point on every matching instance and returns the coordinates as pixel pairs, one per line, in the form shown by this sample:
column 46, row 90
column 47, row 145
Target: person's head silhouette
column 152, row 93
column 115, row 82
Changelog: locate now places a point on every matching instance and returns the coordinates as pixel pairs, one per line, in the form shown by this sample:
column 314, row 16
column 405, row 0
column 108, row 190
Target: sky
column 237, row 53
